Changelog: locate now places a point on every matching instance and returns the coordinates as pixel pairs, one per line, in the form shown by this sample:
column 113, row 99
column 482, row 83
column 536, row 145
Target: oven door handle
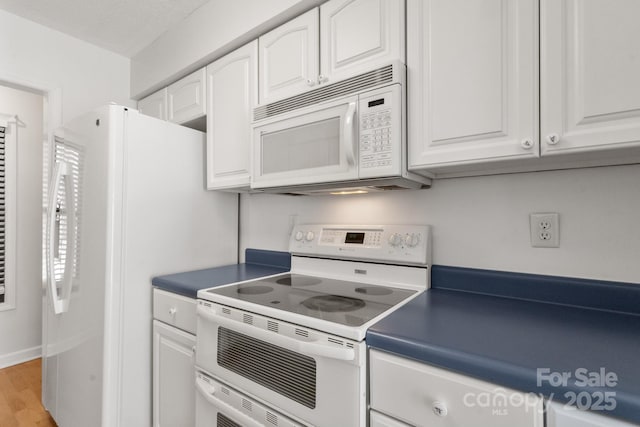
column 208, row 392
column 310, row 348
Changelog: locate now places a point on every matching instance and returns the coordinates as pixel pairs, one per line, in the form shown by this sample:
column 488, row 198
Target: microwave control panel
column 380, row 132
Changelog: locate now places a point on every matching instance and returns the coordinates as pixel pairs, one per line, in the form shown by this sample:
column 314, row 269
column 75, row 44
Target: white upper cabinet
column 289, row 58
column 186, row 98
column 341, row 39
column 590, row 74
column 359, row 35
column 155, row 105
column 231, row 96
column 473, row 81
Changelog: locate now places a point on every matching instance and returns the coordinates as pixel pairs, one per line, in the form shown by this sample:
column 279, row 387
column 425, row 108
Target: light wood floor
column 20, row 391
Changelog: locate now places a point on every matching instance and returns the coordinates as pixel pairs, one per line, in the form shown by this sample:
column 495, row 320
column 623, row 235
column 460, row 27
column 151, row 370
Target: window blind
column 73, row 155
column 2, row 214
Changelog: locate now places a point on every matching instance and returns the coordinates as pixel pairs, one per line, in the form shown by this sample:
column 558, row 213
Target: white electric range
column 295, row 341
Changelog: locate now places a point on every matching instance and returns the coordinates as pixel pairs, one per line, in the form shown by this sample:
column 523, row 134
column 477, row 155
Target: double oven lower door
column 317, row 378
column 217, row 404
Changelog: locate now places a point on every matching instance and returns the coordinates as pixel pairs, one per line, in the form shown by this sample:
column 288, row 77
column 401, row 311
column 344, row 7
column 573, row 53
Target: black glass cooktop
column 339, row 301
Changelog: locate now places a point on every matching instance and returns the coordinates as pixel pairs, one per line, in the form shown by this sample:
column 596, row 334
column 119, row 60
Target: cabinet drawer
column 423, row 395
column 175, row 310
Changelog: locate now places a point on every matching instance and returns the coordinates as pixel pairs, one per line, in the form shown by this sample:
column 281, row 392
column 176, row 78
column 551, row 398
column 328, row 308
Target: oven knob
column 299, row 235
column 395, row 239
column 310, row 236
column 412, row 240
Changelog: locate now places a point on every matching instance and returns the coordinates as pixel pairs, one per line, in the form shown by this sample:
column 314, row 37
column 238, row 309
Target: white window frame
column 11, row 165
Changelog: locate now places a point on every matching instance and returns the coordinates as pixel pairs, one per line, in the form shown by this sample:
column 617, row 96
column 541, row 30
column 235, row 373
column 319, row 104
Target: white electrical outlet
column 545, row 230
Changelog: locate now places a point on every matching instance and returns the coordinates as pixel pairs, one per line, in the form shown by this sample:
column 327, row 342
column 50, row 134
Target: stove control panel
column 403, row 244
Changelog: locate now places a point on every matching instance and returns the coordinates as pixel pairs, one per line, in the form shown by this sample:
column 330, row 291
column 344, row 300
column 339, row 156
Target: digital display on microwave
column 357, row 238
column 376, row 102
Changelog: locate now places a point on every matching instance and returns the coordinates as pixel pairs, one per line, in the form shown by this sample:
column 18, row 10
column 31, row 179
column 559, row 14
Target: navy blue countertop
column 465, row 323
column 259, row 263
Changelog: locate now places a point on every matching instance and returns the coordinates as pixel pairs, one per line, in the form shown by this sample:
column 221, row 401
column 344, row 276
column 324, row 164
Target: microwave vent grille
column 378, row 77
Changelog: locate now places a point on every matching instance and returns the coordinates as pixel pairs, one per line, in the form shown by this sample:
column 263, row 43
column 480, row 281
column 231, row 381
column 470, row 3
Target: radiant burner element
column 374, row 290
column 297, row 280
column 333, row 303
column 255, row 290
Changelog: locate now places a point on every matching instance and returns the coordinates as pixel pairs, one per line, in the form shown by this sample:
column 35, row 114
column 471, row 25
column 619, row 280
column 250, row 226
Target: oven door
column 310, row 375
column 317, row 145
column 219, row 405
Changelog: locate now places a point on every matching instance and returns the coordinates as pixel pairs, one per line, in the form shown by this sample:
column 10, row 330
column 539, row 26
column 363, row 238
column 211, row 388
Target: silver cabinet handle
column 440, row 409
column 553, row 138
column 527, row 143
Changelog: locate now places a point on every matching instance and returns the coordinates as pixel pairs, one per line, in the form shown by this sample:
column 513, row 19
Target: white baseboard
column 20, row 356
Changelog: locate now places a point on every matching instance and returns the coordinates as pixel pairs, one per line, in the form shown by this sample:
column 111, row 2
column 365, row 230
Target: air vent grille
column 222, row 421
column 284, row 371
column 224, row 390
column 381, row 76
column 272, row 418
column 272, row 326
column 335, row 341
column 247, row 318
column 226, row 310
column 247, row 405
column 302, row 333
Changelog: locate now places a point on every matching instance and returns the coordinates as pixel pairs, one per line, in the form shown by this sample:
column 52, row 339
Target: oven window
column 223, row 421
column 284, row 371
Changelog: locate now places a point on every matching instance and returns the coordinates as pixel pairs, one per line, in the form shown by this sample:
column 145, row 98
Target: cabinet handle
column 553, row 139
column 173, row 311
column 527, row 144
column 322, row 79
column 310, row 82
column 440, row 409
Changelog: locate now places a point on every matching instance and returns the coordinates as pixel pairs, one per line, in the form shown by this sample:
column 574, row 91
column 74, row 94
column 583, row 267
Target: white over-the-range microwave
column 346, row 137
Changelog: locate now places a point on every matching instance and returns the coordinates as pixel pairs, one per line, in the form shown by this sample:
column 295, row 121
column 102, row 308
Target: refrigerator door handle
column 61, row 302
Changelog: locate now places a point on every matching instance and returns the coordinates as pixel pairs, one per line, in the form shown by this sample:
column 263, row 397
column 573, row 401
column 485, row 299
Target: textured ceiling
column 121, row 26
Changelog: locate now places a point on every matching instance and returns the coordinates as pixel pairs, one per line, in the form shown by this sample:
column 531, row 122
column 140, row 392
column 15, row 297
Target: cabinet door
column 289, row 58
column 590, row 96
column 155, row 105
column 186, row 100
column 231, row 96
column 426, row 396
column 472, row 79
column 359, row 35
column 559, row 415
column 173, row 377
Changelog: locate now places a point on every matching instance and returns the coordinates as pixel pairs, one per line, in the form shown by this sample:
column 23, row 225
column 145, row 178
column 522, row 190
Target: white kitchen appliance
column 126, row 202
column 349, row 135
column 295, row 341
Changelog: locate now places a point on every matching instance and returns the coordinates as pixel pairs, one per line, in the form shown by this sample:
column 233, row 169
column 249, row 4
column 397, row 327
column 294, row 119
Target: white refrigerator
column 126, row 201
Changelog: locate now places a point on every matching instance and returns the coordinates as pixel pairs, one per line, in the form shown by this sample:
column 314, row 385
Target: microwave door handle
column 310, row 348
column 208, row 392
column 348, row 130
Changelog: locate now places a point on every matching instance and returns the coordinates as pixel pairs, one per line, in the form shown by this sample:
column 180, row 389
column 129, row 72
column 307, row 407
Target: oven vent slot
column 248, row 319
column 247, row 405
column 335, row 341
column 383, row 75
column 223, row 421
column 290, row 374
column 272, row 418
column 349, row 345
column 224, row 390
column 272, row 326
column 225, row 310
column 302, row 333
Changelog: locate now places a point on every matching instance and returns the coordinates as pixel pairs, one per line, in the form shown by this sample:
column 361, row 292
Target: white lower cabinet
column 559, row 415
column 423, row 395
column 173, row 362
